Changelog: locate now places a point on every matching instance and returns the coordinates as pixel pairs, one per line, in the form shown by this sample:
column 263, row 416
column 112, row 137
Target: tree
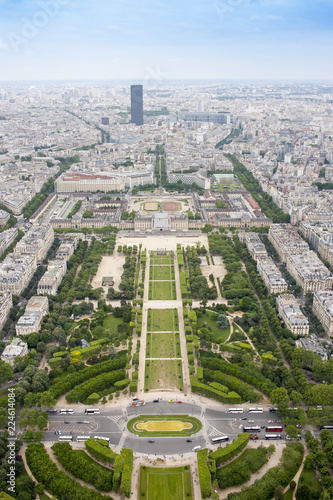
column 279, row 495
column 207, row 228
column 222, row 321
column 281, row 399
column 38, row 436
column 292, row 431
column 6, row 372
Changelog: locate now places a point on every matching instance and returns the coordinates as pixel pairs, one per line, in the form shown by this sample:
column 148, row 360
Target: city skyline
column 154, row 42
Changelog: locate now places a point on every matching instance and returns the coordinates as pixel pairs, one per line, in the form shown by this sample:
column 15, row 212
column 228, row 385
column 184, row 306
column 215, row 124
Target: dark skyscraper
column 137, row 104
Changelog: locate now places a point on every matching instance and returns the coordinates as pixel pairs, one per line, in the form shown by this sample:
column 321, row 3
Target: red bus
column 274, row 428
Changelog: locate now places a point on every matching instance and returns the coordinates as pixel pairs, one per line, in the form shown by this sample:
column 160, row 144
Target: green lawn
column 164, row 375
column 196, row 425
column 165, row 483
column 161, row 259
column 162, row 290
column 162, row 320
column 163, row 345
column 308, row 477
column 162, row 273
column 111, row 322
column 208, row 320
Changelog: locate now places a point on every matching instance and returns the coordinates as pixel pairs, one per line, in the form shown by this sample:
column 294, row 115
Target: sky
column 151, row 41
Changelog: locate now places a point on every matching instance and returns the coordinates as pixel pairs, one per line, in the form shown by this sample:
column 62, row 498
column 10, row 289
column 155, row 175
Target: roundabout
column 164, row 425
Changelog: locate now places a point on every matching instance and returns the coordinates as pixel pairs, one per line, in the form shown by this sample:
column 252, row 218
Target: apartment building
column 31, row 321
column 6, row 238
column 254, row 245
column 4, row 217
column 291, row 314
column 323, row 309
column 314, row 345
column 286, row 240
column 6, row 303
column 16, row 348
column 16, row 272
column 271, row 275
column 309, row 271
column 36, row 241
column 49, row 283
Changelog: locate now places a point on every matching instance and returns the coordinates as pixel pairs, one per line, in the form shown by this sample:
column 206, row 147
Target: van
column 196, row 448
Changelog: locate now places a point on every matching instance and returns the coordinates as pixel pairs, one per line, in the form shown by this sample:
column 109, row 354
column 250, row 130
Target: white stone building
column 291, row 314
column 6, row 303
column 323, row 309
column 16, row 348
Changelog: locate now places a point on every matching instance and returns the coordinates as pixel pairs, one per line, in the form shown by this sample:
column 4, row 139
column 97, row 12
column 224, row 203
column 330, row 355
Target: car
column 71, row 432
column 244, row 418
column 251, row 421
column 66, row 422
column 171, row 401
column 79, row 422
column 240, row 427
column 270, row 421
column 179, row 402
column 189, row 440
column 151, row 441
column 254, row 436
column 156, row 401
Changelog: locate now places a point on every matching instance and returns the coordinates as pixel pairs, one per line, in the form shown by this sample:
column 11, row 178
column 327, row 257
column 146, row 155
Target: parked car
column 254, row 436
column 244, row 418
column 189, row 440
column 151, row 441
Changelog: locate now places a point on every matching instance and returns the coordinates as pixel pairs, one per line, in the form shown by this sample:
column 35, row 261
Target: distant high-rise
column 105, row 121
column 137, row 104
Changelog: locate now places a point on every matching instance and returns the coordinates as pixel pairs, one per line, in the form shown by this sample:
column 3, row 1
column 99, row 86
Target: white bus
column 220, row 439
column 273, row 436
column 256, row 410
column 65, row 438
column 235, row 410
column 92, row 411
column 82, row 438
column 102, row 437
column 196, row 448
column 63, row 411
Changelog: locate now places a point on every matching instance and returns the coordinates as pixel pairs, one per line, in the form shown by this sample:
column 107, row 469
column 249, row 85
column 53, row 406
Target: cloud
column 268, row 17
column 3, row 45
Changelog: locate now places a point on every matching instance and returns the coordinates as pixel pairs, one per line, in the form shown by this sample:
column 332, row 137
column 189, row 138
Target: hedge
column 98, row 383
column 224, row 454
column 282, row 474
column 93, row 398
column 210, row 392
column 204, row 474
column 117, row 470
column 234, row 384
column 126, row 478
column 100, row 451
column 133, row 387
column 81, row 468
column 219, row 387
column 121, row 384
column 200, row 374
column 73, row 379
column 58, row 482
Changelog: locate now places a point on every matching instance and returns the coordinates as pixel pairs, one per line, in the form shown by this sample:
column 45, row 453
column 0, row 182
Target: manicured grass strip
column 182, row 419
column 163, row 345
column 162, row 320
column 162, row 290
column 161, row 273
column 165, row 483
column 164, row 375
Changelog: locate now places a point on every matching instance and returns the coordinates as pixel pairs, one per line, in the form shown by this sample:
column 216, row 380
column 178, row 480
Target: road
column 112, row 423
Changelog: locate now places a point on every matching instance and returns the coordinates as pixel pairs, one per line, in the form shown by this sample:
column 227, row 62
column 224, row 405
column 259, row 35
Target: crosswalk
column 212, row 431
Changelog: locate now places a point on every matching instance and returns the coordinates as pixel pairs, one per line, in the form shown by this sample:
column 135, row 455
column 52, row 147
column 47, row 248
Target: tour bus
column 328, row 427
column 82, row 438
column 235, row 410
column 63, row 411
column 273, row 436
column 253, row 428
column 256, row 410
column 220, row 439
column 91, row 411
column 51, row 410
column 274, row 428
column 65, row 438
column 102, row 437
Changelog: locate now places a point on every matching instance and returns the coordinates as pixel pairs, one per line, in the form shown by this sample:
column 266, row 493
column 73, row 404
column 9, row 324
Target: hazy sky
column 150, row 40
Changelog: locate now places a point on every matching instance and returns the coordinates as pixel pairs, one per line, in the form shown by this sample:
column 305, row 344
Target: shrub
column 222, row 455
column 126, row 478
column 98, row 450
column 204, row 474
